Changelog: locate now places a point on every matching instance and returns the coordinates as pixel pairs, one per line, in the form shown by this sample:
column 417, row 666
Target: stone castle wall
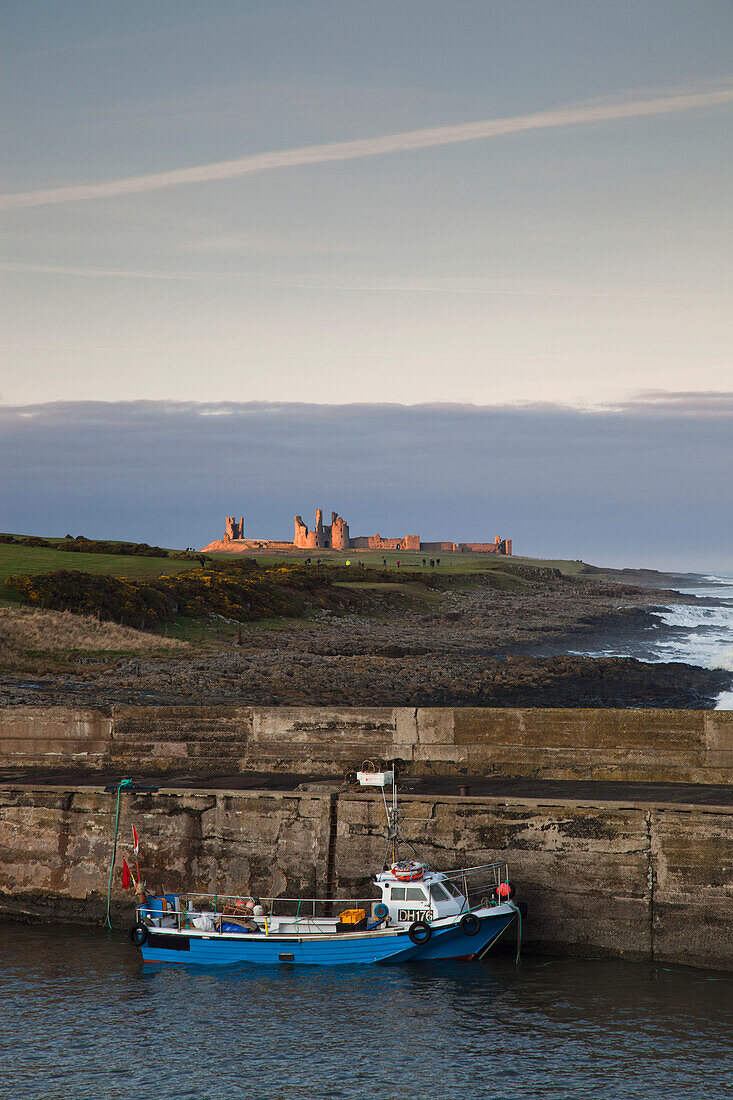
column 378, row 542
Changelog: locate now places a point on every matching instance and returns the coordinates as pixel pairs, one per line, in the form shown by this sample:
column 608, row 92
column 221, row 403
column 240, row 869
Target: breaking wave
column 699, row 633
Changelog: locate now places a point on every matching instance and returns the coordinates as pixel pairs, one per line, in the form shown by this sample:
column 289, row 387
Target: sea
column 82, row 1018
column 697, row 633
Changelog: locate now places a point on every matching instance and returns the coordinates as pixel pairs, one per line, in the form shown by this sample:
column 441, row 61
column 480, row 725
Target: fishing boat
column 419, row 915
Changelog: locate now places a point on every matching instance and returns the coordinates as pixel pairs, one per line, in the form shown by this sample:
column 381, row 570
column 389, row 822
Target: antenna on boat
column 371, row 777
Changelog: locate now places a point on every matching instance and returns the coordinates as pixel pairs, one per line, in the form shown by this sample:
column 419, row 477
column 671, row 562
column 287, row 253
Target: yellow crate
column 352, row 916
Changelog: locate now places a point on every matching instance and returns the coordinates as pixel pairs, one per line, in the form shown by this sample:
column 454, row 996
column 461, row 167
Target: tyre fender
column 138, row 934
column 469, row 924
column 419, row 932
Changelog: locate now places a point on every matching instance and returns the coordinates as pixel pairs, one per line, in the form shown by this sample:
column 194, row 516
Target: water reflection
column 82, row 1018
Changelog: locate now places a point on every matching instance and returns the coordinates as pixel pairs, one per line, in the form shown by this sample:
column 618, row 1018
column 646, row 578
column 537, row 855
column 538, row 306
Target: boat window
column 438, row 893
column 451, row 889
column 413, row 893
column 398, row 893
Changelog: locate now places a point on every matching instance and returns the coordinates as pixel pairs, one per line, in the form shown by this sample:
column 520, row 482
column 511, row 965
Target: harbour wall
column 620, row 879
column 663, row 746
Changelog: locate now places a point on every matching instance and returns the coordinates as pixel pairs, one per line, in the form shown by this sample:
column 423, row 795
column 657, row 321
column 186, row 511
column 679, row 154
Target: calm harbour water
column 82, row 1018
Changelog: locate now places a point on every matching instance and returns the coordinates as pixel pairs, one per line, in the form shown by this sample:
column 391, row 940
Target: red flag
column 134, row 840
column 125, row 875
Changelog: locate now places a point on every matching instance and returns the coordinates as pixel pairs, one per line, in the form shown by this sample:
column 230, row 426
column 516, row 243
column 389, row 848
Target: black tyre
column 419, row 932
column 470, row 924
column 138, row 934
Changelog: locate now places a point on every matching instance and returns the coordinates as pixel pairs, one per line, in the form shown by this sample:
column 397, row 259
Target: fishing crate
column 352, row 920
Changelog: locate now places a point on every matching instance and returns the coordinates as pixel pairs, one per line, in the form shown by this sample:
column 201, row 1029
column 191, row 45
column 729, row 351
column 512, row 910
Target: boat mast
column 370, row 777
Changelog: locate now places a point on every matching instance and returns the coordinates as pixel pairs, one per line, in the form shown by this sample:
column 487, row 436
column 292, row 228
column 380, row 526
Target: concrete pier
column 662, row 746
column 617, row 826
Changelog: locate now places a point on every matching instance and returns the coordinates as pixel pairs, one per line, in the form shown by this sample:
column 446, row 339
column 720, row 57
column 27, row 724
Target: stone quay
column 617, row 825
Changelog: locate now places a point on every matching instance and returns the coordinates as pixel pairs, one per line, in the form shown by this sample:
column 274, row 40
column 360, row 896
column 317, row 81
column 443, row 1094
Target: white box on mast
column 375, row 779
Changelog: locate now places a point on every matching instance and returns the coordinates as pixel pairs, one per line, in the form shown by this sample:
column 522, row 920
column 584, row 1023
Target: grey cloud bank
column 646, row 484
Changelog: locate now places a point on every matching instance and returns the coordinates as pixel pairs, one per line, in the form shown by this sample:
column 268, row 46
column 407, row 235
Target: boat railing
column 481, row 885
column 188, row 906
column 478, row 886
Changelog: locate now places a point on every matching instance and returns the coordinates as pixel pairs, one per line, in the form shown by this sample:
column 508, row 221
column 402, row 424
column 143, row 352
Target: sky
column 482, row 205
column 647, row 483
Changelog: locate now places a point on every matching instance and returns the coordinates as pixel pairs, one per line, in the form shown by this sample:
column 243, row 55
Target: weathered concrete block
column 435, row 726
column 648, row 746
column 718, row 729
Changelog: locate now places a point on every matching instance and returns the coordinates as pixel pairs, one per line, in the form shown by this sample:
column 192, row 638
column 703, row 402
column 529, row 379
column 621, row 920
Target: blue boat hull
column 192, row 949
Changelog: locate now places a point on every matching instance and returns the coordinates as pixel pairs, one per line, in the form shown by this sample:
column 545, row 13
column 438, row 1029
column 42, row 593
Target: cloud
column 472, row 287
column 671, row 102
column 682, row 403
column 646, row 484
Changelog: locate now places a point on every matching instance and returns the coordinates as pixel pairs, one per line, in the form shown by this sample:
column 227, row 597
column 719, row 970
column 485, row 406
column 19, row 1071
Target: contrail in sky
column 368, row 147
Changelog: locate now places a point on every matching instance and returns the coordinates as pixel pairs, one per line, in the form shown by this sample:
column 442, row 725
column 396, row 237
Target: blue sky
column 575, row 255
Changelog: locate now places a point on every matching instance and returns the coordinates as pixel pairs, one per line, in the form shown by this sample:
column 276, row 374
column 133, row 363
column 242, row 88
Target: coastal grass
column 273, row 582
column 29, row 636
column 34, row 560
column 451, row 563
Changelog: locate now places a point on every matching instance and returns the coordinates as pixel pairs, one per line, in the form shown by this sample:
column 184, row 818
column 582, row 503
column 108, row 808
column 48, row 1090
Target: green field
column 31, row 559
column 404, row 589
column 468, row 569
column 450, row 563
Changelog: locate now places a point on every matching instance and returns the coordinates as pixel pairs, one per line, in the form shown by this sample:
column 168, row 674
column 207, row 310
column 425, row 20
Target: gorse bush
column 118, row 599
column 241, row 590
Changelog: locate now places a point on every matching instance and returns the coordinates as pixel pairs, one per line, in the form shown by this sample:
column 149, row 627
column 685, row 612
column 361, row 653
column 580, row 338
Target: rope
column 518, row 911
column 123, row 783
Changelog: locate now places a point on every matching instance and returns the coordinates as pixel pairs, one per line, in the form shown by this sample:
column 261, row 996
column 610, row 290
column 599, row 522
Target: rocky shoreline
column 289, row 679
column 477, row 646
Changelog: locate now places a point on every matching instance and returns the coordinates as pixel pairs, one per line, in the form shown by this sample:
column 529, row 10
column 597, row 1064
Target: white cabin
column 428, row 898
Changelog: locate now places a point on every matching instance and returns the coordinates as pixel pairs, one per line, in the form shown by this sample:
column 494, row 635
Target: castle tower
column 234, row 530
column 319, row 532
column 339, row 532
column 301, row 534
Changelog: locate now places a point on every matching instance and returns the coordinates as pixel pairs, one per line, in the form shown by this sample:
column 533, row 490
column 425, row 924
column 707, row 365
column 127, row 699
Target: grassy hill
column 34, row 560
column 173, row 599
column 456, row 564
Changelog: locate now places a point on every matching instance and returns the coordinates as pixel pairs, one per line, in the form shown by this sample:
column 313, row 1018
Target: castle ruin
column 333, row 536
column 336, row 536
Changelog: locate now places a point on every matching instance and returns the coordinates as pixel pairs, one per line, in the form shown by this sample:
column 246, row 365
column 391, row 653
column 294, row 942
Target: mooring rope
column 123, row 783
column 518, row 911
